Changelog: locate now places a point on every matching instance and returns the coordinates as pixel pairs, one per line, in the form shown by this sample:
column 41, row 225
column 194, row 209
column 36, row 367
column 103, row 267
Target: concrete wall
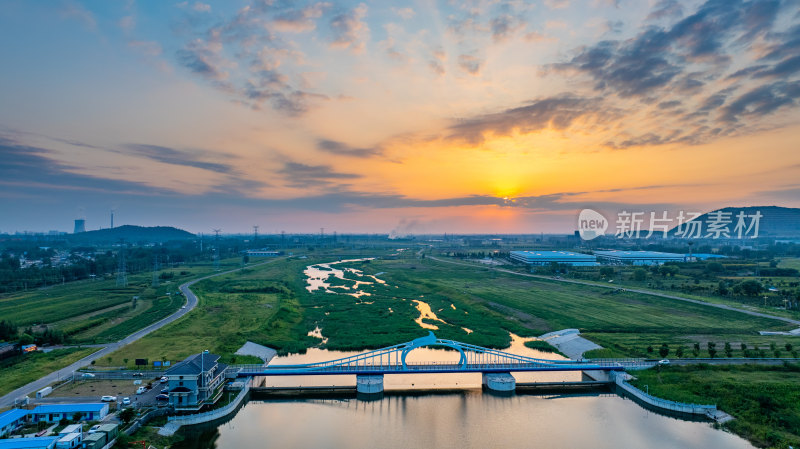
column 694, row 409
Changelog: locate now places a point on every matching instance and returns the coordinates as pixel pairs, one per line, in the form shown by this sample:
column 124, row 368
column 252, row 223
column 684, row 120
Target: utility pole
column 155, row 271
column 255, row 233
column 122, row 269
column 216, row 249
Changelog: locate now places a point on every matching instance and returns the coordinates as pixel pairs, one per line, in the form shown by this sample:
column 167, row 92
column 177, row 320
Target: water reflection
column 467, row 419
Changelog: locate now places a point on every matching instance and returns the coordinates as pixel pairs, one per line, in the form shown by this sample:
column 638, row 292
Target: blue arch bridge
column 370, row 367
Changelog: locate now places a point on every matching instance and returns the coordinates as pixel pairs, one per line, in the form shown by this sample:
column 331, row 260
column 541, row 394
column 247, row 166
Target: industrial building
column 11, row 420
column 29, row 443
column 548, row 257
column 57, row 412
column 616, row 257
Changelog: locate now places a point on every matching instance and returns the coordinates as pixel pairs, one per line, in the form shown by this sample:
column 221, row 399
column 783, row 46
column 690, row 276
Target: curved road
column 635, row 290
column 191, row 303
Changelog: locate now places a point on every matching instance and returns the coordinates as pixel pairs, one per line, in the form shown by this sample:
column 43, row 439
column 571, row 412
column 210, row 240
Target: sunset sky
column 421, row 116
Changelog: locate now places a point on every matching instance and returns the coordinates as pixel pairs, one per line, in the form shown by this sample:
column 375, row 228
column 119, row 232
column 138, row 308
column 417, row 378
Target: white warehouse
column 638, row 257
column 548, row 257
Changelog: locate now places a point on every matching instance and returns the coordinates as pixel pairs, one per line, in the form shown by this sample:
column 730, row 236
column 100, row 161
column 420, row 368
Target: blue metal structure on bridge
column 370, row 366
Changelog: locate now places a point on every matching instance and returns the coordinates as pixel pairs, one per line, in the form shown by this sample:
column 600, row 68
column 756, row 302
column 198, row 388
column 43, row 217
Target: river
column 466, row 418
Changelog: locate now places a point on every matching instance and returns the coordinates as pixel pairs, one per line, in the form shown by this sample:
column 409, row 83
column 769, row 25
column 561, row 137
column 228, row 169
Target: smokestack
column 112, row 219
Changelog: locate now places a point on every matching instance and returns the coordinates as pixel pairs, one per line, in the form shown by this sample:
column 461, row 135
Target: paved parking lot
column 91, row 390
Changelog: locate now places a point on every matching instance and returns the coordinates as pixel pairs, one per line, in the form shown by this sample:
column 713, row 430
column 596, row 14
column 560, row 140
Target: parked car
column 165, row 391
column 108, row 398
column 141, row 390
column 94, row 428
column 126, row 401
column 162, row 397
column 164, row 379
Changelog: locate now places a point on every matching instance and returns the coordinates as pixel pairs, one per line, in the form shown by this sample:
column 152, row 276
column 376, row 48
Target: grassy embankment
column 270, row 305
column 99, row 311
column 765, row 400
column 21, row 370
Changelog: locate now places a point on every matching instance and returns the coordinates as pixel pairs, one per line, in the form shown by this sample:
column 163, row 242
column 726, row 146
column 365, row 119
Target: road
column 634, row 290
column 191, row 302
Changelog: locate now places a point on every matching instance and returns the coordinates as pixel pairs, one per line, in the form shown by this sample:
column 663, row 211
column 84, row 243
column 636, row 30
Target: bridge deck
column 428, row 368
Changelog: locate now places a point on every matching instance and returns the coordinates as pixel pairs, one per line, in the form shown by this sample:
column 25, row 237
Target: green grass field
column 764, row 400
column 271, row 306
column 23, row 369
column 99, row 311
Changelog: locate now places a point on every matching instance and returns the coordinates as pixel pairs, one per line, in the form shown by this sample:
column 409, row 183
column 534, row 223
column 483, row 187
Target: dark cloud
column 666, row 9
column 470, row 64
column 300, row 175
column 669, row 104
column 649, row 62
column 241, row 55
column 340, row 149
column 558, row 112
column 762, row 101
column 175, row 157
column 31, row 170
column 348, row 27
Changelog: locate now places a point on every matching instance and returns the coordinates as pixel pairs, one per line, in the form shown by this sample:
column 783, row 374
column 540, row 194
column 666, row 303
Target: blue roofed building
column 57, row 412
column 29, row 443
column 616, row 257
column 11, row 420
column 549, row 257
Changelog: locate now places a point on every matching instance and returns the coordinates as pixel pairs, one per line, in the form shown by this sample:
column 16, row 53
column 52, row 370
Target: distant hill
column 131, row 234
column 781, row 222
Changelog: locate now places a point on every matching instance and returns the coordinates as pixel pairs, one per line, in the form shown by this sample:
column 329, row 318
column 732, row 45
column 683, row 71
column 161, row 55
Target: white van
column 141, row 390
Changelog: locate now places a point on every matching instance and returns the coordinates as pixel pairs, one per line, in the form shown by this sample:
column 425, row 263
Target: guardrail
column 665, row 404
column 211, row 415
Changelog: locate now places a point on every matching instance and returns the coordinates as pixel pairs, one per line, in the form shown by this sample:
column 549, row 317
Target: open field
column 270, row 305
column 764, row 400
column 252, row 304
column 99, row 311
column 17, row 372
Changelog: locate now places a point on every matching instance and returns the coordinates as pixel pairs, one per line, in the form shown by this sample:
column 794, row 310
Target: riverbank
column 765, row 400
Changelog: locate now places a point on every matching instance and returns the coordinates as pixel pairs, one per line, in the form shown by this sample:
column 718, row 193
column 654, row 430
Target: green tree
column 26, row 339
column 126, row 415
column 77, row 416
column 606, row 272
column 750, row 287
column 639, row 274
column 679, row 352
column 788, row 347
column 663, row 351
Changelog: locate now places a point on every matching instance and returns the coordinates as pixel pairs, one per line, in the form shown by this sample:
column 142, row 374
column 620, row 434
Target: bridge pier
column 500, row 383
column 597, row 375
column 369, row 386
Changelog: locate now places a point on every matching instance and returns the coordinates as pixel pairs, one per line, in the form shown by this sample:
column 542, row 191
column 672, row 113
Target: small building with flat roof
column 69, row 441
column 29, row 443
column 57, row 412
column 548, row 257
column 95, row 440
column 11, row 420
column 616, row 257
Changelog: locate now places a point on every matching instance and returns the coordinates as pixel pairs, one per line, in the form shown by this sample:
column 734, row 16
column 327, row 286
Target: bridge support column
column 597, row 375
column 369, row 386
column 500, row 383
